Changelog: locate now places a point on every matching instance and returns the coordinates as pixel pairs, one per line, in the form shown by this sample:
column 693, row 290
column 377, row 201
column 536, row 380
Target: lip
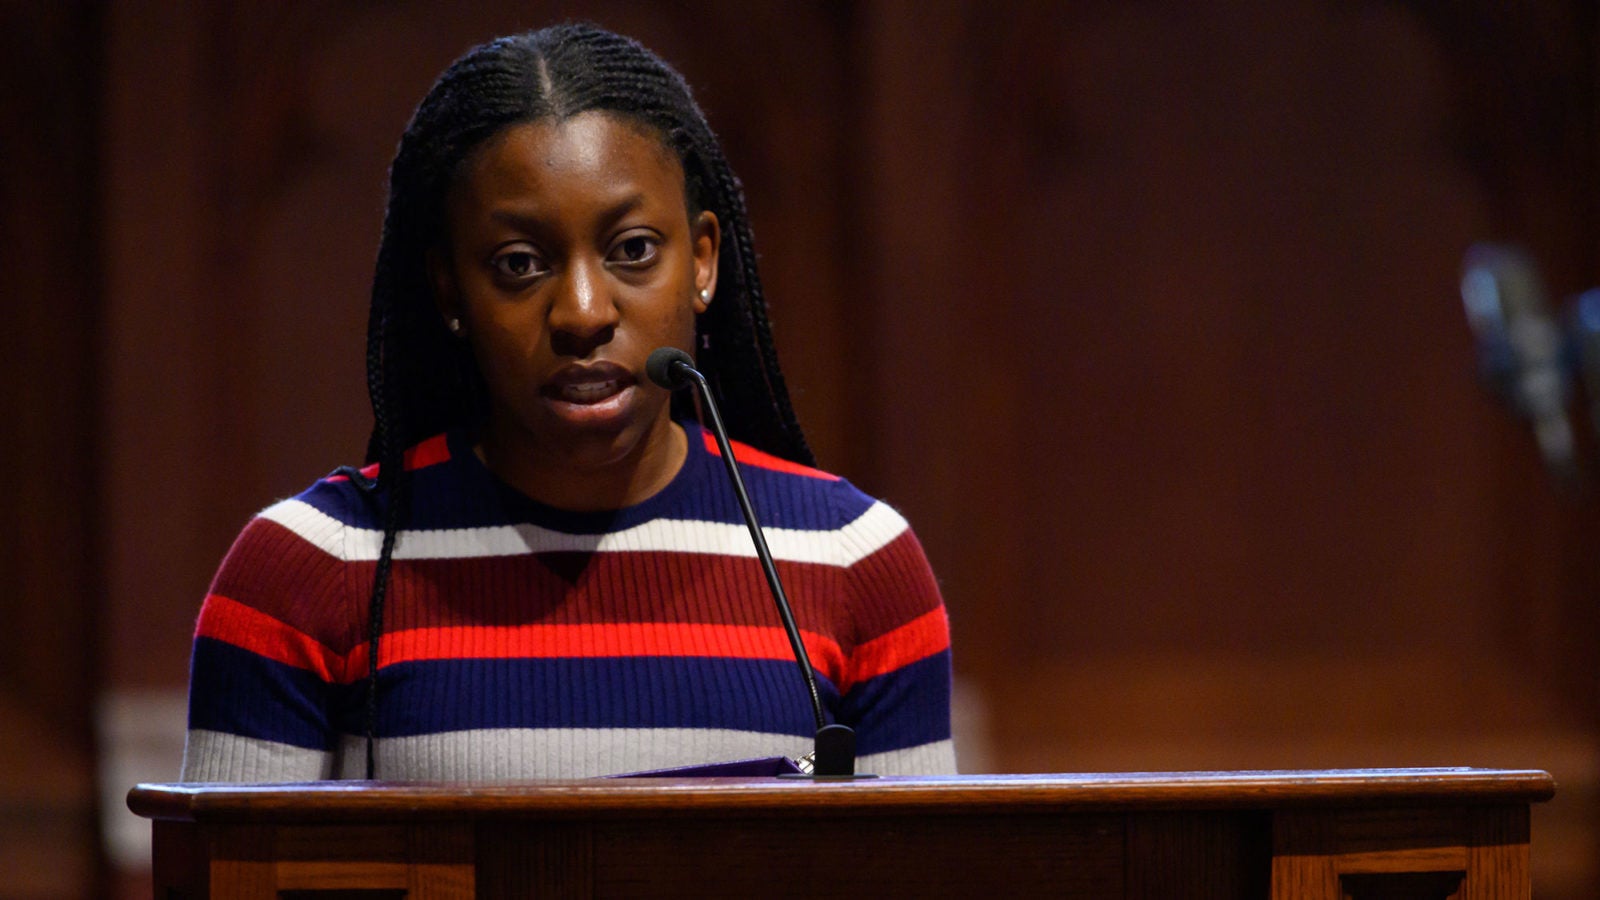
column 589, row 392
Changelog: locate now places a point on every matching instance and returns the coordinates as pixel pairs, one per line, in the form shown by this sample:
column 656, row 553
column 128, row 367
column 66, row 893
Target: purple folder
column 766, row 766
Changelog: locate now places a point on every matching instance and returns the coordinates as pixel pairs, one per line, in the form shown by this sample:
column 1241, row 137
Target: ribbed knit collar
column 518, row 507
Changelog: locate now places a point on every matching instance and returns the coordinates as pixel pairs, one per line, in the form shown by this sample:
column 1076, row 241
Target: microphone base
column 835, row 752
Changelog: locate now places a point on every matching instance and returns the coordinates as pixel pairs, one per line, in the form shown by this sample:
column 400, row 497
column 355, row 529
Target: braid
column 760, row 354
column 394, row 515
column 389, row 453
column 421, row 380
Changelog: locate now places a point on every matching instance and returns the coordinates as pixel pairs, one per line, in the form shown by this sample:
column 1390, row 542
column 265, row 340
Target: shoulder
column 292, row 561
column 754, row 458
column 348, row 499
column 284, row 581
column 839, row 523
column 790, row 495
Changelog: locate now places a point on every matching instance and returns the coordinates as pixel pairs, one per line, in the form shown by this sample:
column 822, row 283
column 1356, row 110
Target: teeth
column 588, row 392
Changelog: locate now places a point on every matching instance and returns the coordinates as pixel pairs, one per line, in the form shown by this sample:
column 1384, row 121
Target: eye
column 518, row 262
column 634, row 249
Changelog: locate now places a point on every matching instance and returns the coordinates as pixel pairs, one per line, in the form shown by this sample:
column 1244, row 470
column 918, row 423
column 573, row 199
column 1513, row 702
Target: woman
column 543, row 572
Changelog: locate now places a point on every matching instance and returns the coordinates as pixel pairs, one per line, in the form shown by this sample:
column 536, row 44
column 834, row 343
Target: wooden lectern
column 1424, row 833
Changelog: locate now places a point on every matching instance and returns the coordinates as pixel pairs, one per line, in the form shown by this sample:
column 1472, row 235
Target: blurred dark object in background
column 1541, row 361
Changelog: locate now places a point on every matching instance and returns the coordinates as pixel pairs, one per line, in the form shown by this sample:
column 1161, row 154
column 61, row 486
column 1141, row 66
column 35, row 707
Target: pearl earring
column 454, row 326
column 705, row 295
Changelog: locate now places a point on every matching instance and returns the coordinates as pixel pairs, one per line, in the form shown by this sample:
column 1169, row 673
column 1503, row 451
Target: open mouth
column 586, row 392
column 593, row 386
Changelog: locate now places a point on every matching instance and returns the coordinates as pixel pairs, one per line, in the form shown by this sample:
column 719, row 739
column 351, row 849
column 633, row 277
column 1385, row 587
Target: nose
column 582, row 313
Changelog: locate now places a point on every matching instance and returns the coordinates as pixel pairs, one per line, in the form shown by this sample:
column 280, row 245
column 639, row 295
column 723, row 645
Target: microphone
column 835, row 749
column 669, row 367
column 1520, row 346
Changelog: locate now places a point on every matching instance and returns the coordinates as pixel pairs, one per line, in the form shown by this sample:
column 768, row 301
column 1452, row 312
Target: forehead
column 594, row 154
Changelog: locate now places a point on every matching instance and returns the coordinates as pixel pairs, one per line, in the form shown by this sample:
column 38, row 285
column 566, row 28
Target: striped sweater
column 522, row 641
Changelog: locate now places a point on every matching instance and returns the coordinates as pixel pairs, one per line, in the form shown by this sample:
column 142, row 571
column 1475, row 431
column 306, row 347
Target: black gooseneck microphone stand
column 835, row 753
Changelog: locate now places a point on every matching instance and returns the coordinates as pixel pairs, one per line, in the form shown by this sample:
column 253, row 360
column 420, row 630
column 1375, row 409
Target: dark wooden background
column 1145, row 314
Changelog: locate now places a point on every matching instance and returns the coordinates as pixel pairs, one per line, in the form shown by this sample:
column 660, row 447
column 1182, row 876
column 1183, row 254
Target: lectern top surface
column 363, row 800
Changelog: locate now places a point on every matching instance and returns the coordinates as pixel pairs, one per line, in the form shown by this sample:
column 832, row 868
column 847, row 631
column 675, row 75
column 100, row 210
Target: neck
column 586, row 479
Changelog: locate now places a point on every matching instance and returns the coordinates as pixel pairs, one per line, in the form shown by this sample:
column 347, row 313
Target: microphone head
column 661, row 370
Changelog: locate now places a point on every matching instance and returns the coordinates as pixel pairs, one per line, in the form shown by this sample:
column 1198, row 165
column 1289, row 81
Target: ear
column 446, row 295
column 706, row 233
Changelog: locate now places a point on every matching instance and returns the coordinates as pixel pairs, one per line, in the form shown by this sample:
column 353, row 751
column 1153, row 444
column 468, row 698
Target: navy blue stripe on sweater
column 248, row 694
column 256, row 697
column 426, row 697
column 631, row 692
column 920, row 716
column 699, row 492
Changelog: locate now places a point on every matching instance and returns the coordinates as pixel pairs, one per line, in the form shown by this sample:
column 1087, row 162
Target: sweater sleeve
column 897, row 695
column 271, row 651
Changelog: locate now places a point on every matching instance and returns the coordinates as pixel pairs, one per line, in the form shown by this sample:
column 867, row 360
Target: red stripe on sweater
column 750, row 456
column 613, row 640
column 430, row 452
column 229, row 621
column 603, row 588
column 916, row 640
column 232, row 622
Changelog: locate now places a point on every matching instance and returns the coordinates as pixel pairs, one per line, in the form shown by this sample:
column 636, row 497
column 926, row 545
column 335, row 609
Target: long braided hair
column 422, row 381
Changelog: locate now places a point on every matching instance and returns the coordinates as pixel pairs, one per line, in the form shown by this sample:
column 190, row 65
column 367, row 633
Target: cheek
column 492, row 364
column 683, row 327
column 502, row 350
column 660, row 317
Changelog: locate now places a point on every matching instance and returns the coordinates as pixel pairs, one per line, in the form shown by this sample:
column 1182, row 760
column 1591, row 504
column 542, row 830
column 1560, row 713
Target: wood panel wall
column 1145, row 314
column 51, row 282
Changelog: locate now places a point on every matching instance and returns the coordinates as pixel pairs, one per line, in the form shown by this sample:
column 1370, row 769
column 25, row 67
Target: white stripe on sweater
column 514, row 754
column 870, row 532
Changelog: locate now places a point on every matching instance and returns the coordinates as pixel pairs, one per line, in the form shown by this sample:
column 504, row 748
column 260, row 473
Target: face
column 570, row 256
